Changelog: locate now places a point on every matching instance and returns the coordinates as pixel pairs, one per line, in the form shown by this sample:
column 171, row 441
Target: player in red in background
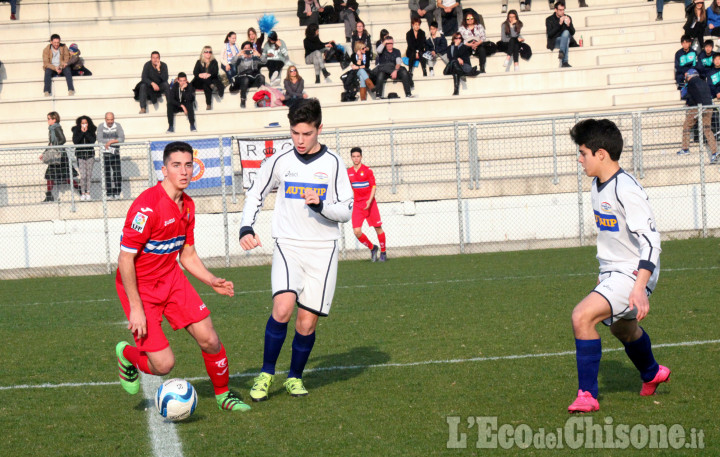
column 365, row 205
column 150, row 284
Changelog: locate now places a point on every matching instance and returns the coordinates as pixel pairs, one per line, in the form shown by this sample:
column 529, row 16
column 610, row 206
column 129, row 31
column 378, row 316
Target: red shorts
column 360, row 214
column 173, row 297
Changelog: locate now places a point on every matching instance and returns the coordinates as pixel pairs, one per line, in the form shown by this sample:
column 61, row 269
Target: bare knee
column 283, row 306
column 162, row 365
column 306, row 323
column 357, row 232
column 210, row 344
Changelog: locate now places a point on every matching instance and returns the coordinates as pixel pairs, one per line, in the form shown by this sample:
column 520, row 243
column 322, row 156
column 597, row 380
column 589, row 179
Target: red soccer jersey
column 362, row 181
column 156, row 230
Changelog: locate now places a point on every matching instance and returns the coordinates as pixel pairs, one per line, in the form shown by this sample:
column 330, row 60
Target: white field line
column 163, row 433
column 376, row 285
column 378, row 365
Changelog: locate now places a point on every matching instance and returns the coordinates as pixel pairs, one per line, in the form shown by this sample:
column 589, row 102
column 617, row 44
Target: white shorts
column 615, row 287
column 310, row 272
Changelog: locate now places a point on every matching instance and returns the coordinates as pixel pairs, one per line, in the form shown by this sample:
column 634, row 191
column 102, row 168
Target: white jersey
column 627, row 238
column 291, row 173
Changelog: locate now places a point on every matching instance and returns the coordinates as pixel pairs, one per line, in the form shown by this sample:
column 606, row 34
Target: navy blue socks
column 588, row 354
column 640, row 352
column 301, row 347
column 275, row 333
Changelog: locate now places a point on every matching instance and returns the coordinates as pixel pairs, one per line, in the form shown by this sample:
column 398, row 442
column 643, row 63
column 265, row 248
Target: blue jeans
column 661, row 4
column 49, row 74
column 362, row 75
column 562, row 43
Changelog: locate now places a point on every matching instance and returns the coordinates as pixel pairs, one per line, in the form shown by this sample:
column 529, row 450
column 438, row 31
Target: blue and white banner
column 207, row 171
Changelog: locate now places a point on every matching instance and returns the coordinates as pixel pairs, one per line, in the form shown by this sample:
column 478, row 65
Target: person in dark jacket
column 248, row 64
column 315, row 51
column 206, row 75
column 459, row 67
column 685, row 59
column 713, row 77
column 389, row 64
column 57, row 170
column 696, row 20
column 436, row 45
column 308, row 12
column 416, row 46
column 361, row 34
column 422, row 9
column 705, row 58
column 560, row 30
column 85, row 132
column 153, row 81
column 347, row 13
column 698, row 93
column 181, row 98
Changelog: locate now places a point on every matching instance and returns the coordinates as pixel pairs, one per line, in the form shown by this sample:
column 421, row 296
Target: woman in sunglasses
column 206, row 75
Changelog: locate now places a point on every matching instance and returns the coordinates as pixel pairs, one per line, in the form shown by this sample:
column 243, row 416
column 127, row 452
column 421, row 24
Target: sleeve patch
column 138, row 222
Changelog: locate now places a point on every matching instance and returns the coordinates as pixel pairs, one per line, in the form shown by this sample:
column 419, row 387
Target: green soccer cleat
column 230, row 402
column 129, row 377
column 295, row 387
column 262, row 383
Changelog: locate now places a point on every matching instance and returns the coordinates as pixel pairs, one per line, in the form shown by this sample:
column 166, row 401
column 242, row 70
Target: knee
column 210, row 343
column 163, row 366
column 581, row 320
column 358, row 232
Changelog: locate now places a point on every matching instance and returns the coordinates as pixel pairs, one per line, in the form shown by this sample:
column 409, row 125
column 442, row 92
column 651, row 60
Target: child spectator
column 415, row 39
column 230, row 50
column 85, row 132
column 55, row 62
column 705, row 59
column 436, row 47
column 77, row 63
column 713, row 77
column 276, row 55
column 685, row 59
column 206, row 76
column 511, row 39
column 315, row 51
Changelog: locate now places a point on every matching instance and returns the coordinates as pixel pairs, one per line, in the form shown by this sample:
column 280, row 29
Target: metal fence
column 442, row 189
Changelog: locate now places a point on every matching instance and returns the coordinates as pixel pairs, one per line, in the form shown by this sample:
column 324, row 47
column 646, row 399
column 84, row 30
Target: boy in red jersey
column 150, row 284
column 365, row 207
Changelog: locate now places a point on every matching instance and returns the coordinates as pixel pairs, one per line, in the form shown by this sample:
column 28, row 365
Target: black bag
column 350, row 80
column 490, row 48
column 328, row 16
column 348, row 96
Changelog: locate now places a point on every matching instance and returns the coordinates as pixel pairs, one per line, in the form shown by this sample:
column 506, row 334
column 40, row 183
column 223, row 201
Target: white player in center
column 314, row 196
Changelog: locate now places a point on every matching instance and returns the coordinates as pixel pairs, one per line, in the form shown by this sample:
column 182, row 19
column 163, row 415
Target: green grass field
column 408, row 344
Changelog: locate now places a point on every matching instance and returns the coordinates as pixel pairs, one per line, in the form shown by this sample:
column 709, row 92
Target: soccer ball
column 176, row 399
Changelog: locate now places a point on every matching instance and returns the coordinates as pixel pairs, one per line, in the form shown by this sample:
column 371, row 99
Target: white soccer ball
column 176, row 399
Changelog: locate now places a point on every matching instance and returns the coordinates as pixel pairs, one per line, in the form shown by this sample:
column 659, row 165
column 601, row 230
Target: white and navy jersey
column 291, row 173
column 627, row 236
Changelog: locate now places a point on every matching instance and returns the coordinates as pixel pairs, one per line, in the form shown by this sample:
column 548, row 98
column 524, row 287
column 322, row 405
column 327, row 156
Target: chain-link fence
column 441, row 189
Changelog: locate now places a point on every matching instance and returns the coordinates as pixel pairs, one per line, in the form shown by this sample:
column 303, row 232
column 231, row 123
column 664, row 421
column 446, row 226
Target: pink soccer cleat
column 648, row 388
column 584, row 403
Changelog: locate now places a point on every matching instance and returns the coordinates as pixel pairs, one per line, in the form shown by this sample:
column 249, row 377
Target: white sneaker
column 463, row 83
column 88, row 198
column 432, row 73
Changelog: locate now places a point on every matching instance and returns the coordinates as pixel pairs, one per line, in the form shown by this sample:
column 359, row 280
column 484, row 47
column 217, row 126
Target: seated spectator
column 181, row 98
column 660, row 4
column 389, row 64
column 347, row 13
column 415, row 39
column 449, row 15
column 85, row 132
column 459, row 67
column 698, row 93
column 361, row 34
column 713, row 19
column 153, row 81
column 58, row 163
column 55, row 59
column 511, row 39
column 423, row 9
column 206, row 76
column 705, row 58
column 109, row 135
column 685, row 59
column 361, row 64
column 230, row 50
column 713, row 77
column 77, row 63
column 473, row 34
column 316, row 51
column 276, row 56
column 294, row 87
column 696, row 21
column 560, row 30
column 436, row 47
column 524, row 6
column 248, row 64
column 257, row 43
column 380, row 44
column 13, row 10
column 309, row 12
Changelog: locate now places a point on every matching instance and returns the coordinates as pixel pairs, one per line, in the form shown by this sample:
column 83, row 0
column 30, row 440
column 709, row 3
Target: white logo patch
column 139, row 221
column 147, row 210
column 169, row 222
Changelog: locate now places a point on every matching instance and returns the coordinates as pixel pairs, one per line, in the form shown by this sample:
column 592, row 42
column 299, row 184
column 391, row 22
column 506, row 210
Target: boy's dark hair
column 311, row 30
column 708, row 43
column 53, row 36
column 307, row 111
column 558, row 3
column 685, row 38
column 175, row 146
column 154, row 52
column 355, row 149
column 182, row 75
column 597, row 134
column 245, row 43
column 434, row 24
